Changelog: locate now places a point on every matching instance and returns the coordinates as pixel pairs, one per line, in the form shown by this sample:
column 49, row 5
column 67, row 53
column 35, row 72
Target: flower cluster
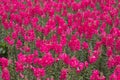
column 61, row 39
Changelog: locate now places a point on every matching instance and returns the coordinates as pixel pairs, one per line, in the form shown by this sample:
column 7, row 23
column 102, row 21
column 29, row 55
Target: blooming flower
column 4, row 62
column 63, row 74
column 74, row 43
column 47, row 60
column 39, row 72
column 5, row 74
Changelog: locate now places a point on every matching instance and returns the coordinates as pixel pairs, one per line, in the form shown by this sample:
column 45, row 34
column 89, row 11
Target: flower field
column 59, row 39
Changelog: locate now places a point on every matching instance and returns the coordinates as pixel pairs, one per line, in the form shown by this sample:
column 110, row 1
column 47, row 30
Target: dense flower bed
column 60, row 39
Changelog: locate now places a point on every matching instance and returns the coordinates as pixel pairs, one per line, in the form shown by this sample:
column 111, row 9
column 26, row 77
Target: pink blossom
column 39, row 72
column 117, row 45
column 65, row 58
column 4, row 62
column 19, row 67
column 86, row 64
column 109, row 52
column 63, row 40
column 110, row 62
column 9, row 40
column 74, row 43
column 18, row 44
column 14, row 35
column 38, row 43
column 37, row 61
column 74, row 62
column 63, row 74
column 21, row 57
column 85, row 45
column 5, row 74
column 92, row 59
column 29, row 36
column 26, row 48
column 47, row 60
column 30, row 58
column 80, row 68
column 117, row 59
column 113, row 77
column 95, row 75
column 58, row 48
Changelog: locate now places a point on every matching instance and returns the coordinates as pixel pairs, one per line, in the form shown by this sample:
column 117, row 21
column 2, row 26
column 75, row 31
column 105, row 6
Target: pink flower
column 30, row 58
column 65, row 58
column 35, row 53
column 21, row 58
column 109, row 52
column 47, row 60
column 98, row 45
column 63, row 40
column 74, row 43
column 14, row 35
column 96, row 53
column 117, row 70
column 5, row 24
column 110, row 62
column 34, row 22
column 58, row 48
column 117, row 46
column 86, row 64
column 117, row 59
column 26, row 48
column 45, row 47
column 5, row 74
column 38, row 43
column 19, row 67
column 74, row 62
column 110, row 40
column 63, row 74
column 85, row 45
column 95, row 75
column 26, row 21
column 4, row 62
column 80, row 68
column 92, row 59
column 9, row 40
column 18, row 44
column 29, row 35
column 46, row 31
column 81, row 65
column 113, row 77
column 39, row 72
column 37, row 61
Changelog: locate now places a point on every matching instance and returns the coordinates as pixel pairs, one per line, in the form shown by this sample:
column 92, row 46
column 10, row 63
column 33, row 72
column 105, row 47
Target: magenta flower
column 74, row 62
column 19, row 67
column 21, row 58
column 65, row 58
column 9, row 40
column 4, row 62
column 85, row 45
column 18, row 44
column 39, row 72
column 63, row 74
column 74, row 43
column 5, row 74
column 47, row 60
column 111, row 62
column 92, row 59
column 95, row 75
